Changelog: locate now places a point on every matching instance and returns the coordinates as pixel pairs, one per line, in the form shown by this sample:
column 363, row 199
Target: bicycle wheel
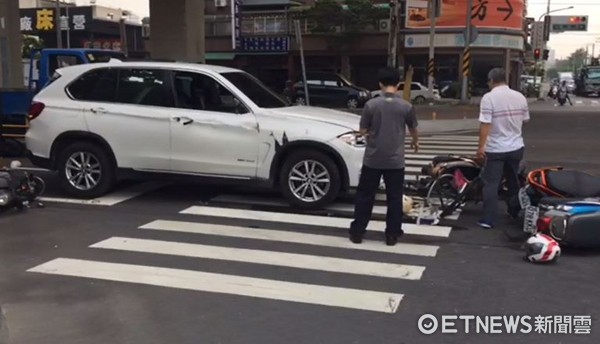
column 442, row 192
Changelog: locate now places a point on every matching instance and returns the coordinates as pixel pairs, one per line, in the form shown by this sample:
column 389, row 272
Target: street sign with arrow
column 509, row 9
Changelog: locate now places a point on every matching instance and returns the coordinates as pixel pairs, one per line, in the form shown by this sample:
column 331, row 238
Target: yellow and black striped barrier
column 14, row 131
column 466, row 66
column 431, row 67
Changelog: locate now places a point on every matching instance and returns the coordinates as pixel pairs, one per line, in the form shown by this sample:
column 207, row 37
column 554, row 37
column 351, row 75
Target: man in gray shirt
column 384, row 122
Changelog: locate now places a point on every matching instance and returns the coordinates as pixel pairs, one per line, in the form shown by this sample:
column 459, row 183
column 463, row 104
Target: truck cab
column 43, row 63
column 38, row 70
column 589, row 81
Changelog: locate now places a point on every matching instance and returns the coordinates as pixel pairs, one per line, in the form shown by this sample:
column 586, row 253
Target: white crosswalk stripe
column 301, row 219
column 224, row 284
column 119, row 269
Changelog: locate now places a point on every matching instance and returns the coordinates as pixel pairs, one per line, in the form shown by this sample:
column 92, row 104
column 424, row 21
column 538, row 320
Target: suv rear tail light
column 35, row 109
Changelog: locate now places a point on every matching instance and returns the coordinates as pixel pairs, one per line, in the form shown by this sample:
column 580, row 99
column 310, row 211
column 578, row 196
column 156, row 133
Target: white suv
column 95, row 121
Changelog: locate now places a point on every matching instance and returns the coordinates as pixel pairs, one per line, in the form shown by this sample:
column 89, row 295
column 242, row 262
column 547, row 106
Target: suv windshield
column 255, row 90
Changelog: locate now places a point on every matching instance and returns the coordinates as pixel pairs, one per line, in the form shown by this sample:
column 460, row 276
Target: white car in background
column 418, row 93
column 94, row 122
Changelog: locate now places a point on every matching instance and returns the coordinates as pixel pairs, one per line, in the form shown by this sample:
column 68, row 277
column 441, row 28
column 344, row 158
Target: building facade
column 96, row 27
column 266, row 44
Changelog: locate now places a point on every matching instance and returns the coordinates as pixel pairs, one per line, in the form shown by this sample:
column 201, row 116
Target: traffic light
column 577, row 20
column 546, row 54
column 536, row 54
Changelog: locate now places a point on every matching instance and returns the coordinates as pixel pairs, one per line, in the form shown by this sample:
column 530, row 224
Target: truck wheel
column 309, row 179
column 85, row 170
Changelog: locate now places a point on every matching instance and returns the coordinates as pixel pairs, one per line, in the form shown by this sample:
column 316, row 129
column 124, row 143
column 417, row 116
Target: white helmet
column 541, row 248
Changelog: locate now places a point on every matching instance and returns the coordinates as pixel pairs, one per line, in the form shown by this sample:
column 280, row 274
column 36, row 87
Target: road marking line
column 379, row 226
column 289, row 237
column 112, row 198
column 262, row 201
column 466, row 138
column 443, row 147
column 224, row 284
column 336, row 207
column 445, row 142
column 428, row 152
column 292, row 260
column 423, row 162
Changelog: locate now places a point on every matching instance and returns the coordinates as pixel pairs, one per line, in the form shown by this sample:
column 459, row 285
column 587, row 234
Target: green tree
column 30, row 43
column 340, row 26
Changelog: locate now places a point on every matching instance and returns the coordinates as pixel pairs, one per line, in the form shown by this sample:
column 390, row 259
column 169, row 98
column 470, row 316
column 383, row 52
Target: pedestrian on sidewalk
column 502, row 114
column 383, row 123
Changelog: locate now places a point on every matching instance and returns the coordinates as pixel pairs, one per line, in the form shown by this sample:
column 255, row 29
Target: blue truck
column 38, row 71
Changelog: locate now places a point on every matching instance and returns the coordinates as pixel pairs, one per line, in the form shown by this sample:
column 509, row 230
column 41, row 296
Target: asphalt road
column 161, row 270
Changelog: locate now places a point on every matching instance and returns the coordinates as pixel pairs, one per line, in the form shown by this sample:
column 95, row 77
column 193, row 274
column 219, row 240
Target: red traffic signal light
column 577, row 19
column 536, row 54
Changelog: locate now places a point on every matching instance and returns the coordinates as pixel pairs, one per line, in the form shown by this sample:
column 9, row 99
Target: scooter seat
column 574, row 183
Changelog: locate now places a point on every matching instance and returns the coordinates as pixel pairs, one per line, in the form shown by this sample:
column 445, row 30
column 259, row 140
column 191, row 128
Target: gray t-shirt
column 386, row 119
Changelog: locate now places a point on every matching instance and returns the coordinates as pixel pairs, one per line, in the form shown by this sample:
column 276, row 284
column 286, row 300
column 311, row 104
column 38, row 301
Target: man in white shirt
column 502, row 114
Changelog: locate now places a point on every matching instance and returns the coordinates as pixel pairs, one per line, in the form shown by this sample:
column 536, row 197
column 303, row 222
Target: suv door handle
column 99, row 110
column 184, row 120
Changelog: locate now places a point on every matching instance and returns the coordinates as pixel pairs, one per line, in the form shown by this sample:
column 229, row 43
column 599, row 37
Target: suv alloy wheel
column 309, row 179
column 85, row 170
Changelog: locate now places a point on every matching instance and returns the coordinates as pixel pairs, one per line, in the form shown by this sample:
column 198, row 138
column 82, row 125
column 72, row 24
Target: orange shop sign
column 503, row 14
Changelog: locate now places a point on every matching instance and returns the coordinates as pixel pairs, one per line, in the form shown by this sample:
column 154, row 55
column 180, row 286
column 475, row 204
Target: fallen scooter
column 18, row 188
column 450, row 181
column 563, row 204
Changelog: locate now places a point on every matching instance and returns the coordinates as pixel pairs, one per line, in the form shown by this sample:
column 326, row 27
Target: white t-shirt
column 506, row 110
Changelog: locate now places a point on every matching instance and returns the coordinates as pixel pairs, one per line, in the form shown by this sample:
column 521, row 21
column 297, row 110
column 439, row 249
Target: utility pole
column 68, row 26
column 466, row 67
column 57, row 25
column 301, row 46
column 393, row 35
column 433, row 13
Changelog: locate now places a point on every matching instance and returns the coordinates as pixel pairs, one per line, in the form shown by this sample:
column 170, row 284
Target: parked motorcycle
column 19, row 188
column 564, row 204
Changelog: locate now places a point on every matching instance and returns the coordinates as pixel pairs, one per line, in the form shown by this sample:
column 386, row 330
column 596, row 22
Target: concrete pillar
column 177, row 30
column 11, row 65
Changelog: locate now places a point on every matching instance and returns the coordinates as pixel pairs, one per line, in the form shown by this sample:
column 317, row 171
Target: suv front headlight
column 353, row 138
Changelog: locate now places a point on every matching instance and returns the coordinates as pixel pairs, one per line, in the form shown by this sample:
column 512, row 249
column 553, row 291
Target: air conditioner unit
column 220, row 3
column 384, row 25
column 337, row 29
